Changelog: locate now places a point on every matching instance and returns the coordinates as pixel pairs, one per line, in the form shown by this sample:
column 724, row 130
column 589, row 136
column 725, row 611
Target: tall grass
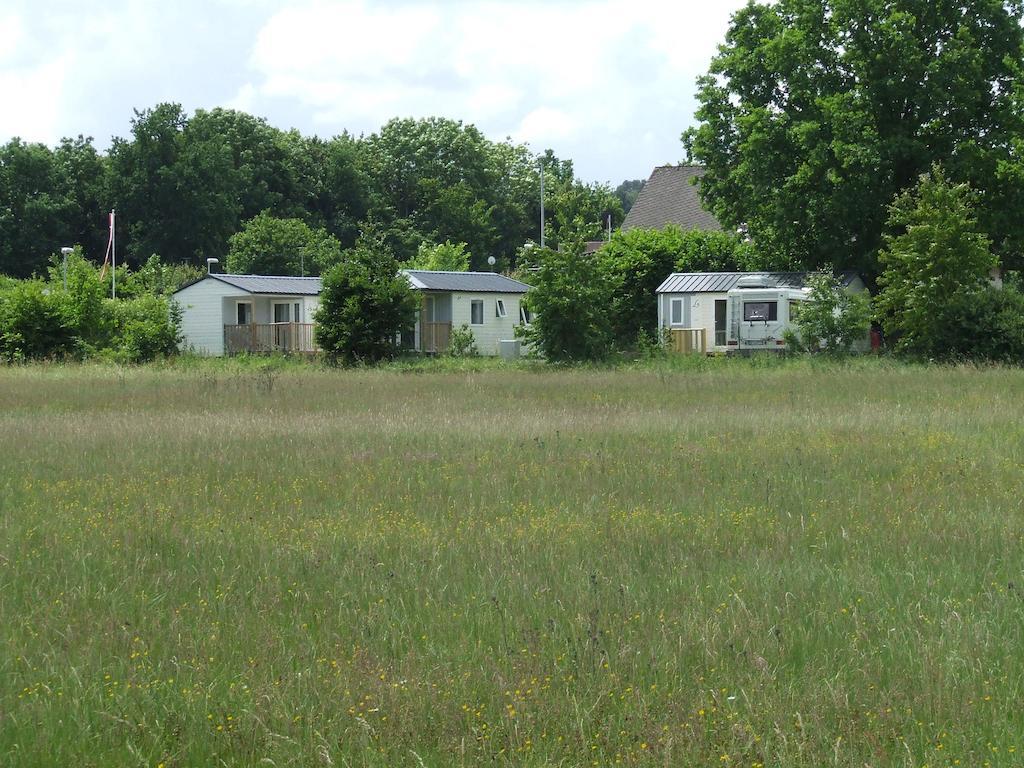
column 792, row 565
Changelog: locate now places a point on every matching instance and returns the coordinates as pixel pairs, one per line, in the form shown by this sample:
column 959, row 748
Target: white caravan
column 760, row 314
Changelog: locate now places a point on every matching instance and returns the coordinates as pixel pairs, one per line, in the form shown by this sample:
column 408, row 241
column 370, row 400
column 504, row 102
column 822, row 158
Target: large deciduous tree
column 33, row 208
column 815, row 114
column 270, row 246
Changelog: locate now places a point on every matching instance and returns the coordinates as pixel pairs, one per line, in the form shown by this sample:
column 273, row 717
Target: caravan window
column 755, row 311
column 476, row 312
column 677, row 311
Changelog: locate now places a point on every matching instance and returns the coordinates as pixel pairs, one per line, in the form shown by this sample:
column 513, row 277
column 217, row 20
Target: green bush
column 41, row 319
column 36, row 322
column 442, row 257
column 570, row 301
column 156, row 278
column 364, row 305
column 267, row 245
column 988, row 325
column 148, row 327
column 462, row 343
column 936, row 263
column 832, row 319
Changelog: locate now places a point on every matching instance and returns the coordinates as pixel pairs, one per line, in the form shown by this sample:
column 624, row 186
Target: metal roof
column 671, row 196
column 419, row 279
column 290, row 286
column 465, row 282
column 720, row 282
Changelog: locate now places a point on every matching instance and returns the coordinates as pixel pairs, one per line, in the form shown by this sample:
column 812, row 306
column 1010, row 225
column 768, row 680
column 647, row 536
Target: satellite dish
column 491, row 260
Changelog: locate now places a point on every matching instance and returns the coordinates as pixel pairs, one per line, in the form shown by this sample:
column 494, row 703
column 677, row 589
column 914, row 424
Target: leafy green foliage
column 627, row 192
column 270, row 246
column 156, row 277
column 935, row 261
column 364, row 305
column 443, row 257
column 147, row 328
column 183, row 185
column 702, row 251
column 34, row 323
column 575, row 212
column 84, row 301
column 42, row 319
column 832, row 319
column 989, row 326
column 815, row 115
column 49, row 199
column 462, row 343
column 570, row 302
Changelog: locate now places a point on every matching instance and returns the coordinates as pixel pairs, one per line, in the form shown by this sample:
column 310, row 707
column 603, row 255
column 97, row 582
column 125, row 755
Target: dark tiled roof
column 720, row 282
column 466, row 282
column 670, row 196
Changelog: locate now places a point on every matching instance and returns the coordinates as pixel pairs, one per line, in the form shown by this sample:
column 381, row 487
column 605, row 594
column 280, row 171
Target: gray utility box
column 509, row 349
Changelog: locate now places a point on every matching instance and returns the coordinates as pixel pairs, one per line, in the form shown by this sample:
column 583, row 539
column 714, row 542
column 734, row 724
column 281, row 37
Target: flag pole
column 113, row 258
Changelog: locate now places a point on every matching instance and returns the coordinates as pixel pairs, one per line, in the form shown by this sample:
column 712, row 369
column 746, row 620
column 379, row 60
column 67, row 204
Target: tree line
column 183, row 185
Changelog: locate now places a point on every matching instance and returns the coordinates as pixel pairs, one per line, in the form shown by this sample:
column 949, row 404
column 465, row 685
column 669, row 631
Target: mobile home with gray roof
column 229, row 314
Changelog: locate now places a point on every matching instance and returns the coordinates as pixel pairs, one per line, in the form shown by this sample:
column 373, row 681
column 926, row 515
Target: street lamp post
column 541, row 161
column 64, row 252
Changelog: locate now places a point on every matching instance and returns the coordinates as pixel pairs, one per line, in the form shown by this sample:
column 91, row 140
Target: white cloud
column 607, row 83
column 552, row 74
column 33, row 97
column 546, row 124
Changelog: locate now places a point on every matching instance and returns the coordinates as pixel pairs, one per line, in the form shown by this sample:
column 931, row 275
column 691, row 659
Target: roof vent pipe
column 209, row 265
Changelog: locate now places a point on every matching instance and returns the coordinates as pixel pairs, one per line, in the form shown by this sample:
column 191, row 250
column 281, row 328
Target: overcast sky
column 607, row 83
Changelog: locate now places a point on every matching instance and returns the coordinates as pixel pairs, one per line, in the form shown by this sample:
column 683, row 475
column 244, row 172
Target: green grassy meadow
column 725, row 563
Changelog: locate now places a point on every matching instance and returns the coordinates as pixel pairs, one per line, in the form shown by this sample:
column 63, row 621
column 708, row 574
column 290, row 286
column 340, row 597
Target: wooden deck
column 264, row 338
column 689, row 340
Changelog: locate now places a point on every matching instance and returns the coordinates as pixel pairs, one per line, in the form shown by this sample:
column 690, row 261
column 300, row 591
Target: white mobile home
column 714, row 311
column 230, row 314
column 489, row 304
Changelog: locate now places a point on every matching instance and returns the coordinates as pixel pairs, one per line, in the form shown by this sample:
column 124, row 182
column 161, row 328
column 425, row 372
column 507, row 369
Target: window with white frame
column 476, row 312
column 676, row 312
column 499, row 308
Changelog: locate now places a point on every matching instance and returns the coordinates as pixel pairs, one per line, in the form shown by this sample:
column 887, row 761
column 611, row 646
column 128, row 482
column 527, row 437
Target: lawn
column 726, row 563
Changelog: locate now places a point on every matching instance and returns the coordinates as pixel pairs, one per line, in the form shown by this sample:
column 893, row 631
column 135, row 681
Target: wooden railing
column 262, row 338
column 689, row 340
column 434, row 337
